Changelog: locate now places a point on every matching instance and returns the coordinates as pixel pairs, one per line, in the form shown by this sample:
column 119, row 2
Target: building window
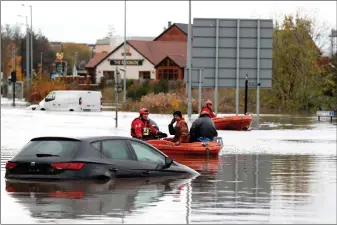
column 108, row 77
column 145, row 75
column 168, row 74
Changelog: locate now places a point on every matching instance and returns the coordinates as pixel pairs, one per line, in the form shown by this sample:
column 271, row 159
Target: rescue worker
column 180, row 131
column 208, row 108
column 153, row 123
column 142, row 129
column 203, row 128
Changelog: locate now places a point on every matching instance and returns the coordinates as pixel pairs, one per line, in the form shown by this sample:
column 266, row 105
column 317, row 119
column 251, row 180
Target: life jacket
column 146, row 131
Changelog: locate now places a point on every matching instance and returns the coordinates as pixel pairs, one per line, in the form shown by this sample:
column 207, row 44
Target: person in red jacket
column 141, row 128
column 208, row 108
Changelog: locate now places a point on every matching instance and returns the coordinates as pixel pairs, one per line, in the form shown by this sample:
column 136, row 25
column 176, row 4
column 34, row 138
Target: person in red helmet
column 141, row 128
column 208, row 108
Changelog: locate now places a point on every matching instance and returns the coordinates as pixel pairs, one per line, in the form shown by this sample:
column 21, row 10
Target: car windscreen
column 58, row 149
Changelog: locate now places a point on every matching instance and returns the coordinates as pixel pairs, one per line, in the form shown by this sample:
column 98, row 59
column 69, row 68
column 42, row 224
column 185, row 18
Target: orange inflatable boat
column 233, row 122
column 197, row 148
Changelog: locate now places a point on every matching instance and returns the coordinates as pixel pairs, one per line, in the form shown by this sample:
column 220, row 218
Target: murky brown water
column 288, row 177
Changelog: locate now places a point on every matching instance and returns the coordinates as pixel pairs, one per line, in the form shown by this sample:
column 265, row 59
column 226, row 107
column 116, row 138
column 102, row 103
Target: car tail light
column 10, row 189
column 67, row 166
column 80, row 101
column 10, row 165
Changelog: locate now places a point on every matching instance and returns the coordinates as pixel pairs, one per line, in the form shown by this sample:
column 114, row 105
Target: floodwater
column 282, row 171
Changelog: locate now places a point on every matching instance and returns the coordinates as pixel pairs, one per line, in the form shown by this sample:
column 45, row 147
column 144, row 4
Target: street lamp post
column 124, row 86
column 27, row 53
column 31, row 37
column 41, row 63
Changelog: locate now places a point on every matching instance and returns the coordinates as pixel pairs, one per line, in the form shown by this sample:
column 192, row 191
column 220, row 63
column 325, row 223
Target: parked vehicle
column 72, row 101
column 91, row 158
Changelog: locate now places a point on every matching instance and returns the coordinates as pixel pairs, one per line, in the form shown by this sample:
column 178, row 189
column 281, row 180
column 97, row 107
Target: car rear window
column 61, row 148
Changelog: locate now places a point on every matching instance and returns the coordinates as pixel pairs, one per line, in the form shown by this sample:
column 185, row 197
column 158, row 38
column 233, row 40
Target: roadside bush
column 108, row 94
column 129, row 83
column 161, row 86
column 137, row 93
column 42, row 87
column 166, row 103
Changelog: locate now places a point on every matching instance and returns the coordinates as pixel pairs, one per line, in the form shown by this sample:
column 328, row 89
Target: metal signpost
column 199, row 88
column 230, row 49
column 320, row 114
column 117, row 86
column 189, row 61
column 13, row 81
column 124, row 81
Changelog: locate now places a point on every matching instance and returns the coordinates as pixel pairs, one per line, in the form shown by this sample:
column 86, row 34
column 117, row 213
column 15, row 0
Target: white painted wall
column 132, row 72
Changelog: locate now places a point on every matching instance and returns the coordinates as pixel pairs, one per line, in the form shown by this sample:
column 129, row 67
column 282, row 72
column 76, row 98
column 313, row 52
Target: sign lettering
column 129, row 62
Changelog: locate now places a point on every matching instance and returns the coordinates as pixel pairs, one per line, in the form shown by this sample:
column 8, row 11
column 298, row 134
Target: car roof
column 88, row 139
column 92, row 139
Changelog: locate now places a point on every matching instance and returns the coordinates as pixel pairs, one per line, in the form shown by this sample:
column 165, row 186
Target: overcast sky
column 88, row 21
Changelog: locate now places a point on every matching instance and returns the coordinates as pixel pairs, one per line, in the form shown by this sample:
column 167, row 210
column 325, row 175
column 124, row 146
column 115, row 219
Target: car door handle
column 113, row 169
column 147, row 172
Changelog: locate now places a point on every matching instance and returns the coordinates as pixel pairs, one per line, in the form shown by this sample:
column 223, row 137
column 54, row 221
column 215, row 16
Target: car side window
column 50, row 97
column 116, row 149
column 146, row 154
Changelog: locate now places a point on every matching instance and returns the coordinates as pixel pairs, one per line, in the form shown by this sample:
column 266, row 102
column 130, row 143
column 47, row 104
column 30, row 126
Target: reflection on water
column 282, row 172
column 289, row 122
column 71, row 200
column 230, row 189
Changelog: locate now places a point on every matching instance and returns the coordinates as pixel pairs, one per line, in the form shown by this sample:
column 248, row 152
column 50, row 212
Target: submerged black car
column 111, row 157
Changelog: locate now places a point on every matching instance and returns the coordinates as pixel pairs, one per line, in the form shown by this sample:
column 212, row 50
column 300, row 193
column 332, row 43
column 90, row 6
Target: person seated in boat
column 153, row 123
column 142, row 129
column 208, row 108
column 203, row 128
column 180, row 131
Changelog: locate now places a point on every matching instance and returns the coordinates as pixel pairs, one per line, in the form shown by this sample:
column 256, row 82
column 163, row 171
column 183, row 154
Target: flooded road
column 282, row 171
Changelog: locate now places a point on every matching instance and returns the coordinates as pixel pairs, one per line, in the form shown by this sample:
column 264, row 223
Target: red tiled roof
column 156, row 51
column 179, row 59
column 94, row 61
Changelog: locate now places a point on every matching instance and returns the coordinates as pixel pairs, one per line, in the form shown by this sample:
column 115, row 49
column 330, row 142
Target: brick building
column 163, row 58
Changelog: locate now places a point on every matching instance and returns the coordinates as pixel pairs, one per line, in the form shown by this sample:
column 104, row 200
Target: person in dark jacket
column 203, row 128
column 180, row 131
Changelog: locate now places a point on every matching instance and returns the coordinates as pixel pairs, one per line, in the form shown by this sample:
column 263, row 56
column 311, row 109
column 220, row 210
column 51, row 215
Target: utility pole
column 189, row 62
column 31, row 42
column 41, row 63
column 124, row 81
column 13, row 59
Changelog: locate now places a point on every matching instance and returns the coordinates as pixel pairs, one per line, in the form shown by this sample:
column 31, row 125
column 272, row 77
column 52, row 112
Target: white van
column 72, row 101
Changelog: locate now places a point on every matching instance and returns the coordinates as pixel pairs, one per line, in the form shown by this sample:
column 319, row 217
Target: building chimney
column 169, row 24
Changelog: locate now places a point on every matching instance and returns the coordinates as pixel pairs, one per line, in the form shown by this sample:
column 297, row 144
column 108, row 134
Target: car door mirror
column 168, row 161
